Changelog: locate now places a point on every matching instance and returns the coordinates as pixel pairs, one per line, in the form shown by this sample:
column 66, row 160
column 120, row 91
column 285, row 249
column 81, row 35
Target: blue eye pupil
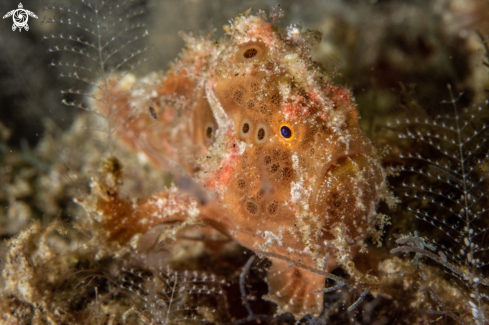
column 286, row 132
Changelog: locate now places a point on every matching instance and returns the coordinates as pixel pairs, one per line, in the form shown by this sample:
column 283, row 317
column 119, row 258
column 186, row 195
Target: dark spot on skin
column 276, row 153
column 254, row 87
column 250, row 104
column 238, row 96
column 274, row 168
column 208, row 132
column 261, row 134
column 249, row 53
column 153, row 114
column 275, row 99
column 246, row 128
column 270, row 65
column 241, row 183
column 286, row 173
column 251, row 207
column 272, row 208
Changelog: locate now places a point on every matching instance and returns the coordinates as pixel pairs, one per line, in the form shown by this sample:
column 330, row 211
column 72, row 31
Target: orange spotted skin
column 277, row 147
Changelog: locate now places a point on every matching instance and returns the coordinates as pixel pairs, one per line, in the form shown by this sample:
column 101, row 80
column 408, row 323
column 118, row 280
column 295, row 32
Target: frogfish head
column 307, row 179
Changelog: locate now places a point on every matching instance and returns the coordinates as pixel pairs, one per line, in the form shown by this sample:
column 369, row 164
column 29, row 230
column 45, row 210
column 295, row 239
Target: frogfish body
column 263, row 147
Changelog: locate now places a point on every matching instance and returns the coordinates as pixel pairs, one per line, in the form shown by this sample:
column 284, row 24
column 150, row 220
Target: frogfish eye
column 286, row 132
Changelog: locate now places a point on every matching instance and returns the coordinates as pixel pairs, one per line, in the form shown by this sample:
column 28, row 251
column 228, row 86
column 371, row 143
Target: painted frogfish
column 262, row 147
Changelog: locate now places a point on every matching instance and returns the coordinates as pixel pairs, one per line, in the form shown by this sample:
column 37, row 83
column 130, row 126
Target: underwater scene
column 244, row 162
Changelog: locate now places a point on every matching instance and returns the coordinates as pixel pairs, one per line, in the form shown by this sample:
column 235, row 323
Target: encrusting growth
column 262, row 147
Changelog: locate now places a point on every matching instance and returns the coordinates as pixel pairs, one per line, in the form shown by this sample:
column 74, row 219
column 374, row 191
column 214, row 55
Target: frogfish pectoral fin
column 293, row 289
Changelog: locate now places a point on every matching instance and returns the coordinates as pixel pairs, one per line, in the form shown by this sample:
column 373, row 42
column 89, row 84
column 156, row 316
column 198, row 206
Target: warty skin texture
column 307, row 200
